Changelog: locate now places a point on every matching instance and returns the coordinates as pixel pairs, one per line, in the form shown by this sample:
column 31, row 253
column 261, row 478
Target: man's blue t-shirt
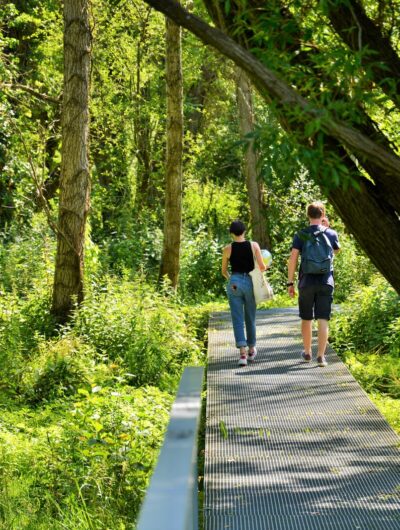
column 306, row 280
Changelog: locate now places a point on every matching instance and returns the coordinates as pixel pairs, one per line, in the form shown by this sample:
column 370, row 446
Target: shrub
column 129, row 322
column 376, row 372
column 27, row 257
column 83, row 465
column 60, row 368
column 200, row 274
column 138, row 249
column 367, row 334
column 211, row 206
column 392, row 340
column 369, row 320
column 24, row 322
column 352, row 269
column 197, row 317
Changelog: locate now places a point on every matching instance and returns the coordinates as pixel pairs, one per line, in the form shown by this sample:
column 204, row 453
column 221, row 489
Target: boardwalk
column 290, row 446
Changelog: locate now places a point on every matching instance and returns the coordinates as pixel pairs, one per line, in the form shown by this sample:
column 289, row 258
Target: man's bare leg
column 306, row 332
column 323, row 330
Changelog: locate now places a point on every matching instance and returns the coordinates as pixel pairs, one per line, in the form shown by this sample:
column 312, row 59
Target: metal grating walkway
column 304, row 448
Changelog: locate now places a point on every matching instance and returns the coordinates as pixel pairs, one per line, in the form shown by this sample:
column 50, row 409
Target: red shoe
column 252, row 355
column 243, row 360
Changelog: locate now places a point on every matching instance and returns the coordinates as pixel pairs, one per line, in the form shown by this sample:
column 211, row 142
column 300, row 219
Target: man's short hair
column 237, row 227
column 316, row 210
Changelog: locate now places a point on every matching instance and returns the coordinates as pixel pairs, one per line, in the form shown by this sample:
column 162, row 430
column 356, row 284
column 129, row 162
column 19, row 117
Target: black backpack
column 317, row 252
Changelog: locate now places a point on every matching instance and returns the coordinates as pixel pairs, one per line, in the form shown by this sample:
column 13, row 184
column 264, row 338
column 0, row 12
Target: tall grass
column 366, row 333
column 84, row 408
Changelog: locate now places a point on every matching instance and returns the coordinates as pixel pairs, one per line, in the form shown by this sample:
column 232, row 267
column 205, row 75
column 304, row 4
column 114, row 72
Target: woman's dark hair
column 237, row 228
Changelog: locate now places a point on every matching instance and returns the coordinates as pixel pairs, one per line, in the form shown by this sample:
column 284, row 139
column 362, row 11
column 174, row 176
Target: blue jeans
column 243, row 309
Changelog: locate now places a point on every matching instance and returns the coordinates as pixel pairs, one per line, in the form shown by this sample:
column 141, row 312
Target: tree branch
column 29, row 90
column 278, row 90
column 361, row 34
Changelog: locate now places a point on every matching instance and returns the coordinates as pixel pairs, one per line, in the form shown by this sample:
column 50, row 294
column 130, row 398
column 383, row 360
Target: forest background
column 85, row 394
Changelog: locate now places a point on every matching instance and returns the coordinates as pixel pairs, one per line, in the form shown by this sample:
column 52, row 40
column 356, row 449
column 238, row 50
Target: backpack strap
column 320, row 231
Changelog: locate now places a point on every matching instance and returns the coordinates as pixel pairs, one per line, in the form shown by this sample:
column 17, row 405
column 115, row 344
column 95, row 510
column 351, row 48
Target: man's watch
column 289, row 284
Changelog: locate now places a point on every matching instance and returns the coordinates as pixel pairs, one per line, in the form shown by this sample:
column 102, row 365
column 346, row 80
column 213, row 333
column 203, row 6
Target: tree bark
column 357, row 209
column 142, row 136
column 374, row 227
column 197, row 95
column 369, row 217
column 75, row 178
column 255, row 185
column 277, row 90
column 173, row 167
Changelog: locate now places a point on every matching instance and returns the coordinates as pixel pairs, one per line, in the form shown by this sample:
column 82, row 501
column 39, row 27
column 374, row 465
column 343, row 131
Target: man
column 315, row 289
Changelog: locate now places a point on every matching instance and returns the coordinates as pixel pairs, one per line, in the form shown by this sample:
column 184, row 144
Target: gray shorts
column 315, row 301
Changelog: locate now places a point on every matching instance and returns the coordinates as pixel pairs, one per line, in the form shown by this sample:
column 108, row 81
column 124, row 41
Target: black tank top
column 241, row 259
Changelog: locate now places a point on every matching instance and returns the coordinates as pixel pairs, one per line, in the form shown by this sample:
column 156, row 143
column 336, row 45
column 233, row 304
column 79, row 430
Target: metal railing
column 171, row 501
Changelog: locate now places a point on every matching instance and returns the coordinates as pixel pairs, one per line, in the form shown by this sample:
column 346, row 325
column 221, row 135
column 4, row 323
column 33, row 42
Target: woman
column 240, row 255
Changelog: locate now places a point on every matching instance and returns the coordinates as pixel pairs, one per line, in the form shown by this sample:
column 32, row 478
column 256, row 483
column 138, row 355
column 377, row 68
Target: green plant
column 368, row 320
column 366, row 333
column 200, row 274
column 83, row 463
column 353, row 269
column 59, row 368
column 26, row 256
column 24, row 322
column 129, row 322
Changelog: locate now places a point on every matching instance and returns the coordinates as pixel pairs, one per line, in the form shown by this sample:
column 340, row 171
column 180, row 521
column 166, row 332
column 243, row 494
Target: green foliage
column 368, row 321
column 376, row 372
column 81, row 426
column 23, row 323
column 200, row 274
column 58, row 369
column 211, row 207
column 389, row 408
column 366, row 332
column 198, row 316
column 392, row 340
column 82, row 464
column 352, row 267
column 130, row 322
column 81, row 453
column 27, row 257
column 136, row 249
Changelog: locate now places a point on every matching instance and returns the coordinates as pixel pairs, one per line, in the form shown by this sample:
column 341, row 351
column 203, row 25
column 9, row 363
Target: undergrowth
column 366, row 334
column 84, row 408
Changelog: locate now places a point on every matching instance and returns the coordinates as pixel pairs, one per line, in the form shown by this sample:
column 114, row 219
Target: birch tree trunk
column 255, row 186
column 75, row 179
column 173, row 167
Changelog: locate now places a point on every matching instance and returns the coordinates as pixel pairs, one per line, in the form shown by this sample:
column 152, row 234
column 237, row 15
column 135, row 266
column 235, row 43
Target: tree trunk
column 356, row 208
column 273, row 88
column 255, row 185
column 173, row 169
column 370, row 218
column 196, row 95
column 142, row 136
column 75, row 178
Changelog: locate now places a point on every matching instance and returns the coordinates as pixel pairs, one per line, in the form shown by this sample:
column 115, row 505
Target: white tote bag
column 261, row 287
